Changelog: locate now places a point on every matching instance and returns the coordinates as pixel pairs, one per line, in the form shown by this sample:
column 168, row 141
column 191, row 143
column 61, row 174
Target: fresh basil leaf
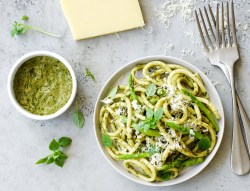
column 20, row 28
column 89, row 74
column 65, row 141
column 204, row 143
column 43, row 160
column 78, row 117
column 153, row 124
column 146, row 127
column 54, row 145
column 158, row 114
column 149, row 113
column 61, row 160
column 25, row 17
column 113, row 92
column 13, row 32
column 50, row 160
column 151, row 89
column 106, row 140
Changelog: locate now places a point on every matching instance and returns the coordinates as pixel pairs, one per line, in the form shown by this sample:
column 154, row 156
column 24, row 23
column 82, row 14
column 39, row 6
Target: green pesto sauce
column 42, row 85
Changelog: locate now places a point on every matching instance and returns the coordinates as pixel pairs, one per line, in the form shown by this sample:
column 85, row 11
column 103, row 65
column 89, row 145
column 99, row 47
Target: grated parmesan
column 136, row 107
column 170, row 8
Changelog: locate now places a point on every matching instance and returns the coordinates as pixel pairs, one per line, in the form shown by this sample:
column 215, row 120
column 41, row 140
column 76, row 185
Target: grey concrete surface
column 23, row 141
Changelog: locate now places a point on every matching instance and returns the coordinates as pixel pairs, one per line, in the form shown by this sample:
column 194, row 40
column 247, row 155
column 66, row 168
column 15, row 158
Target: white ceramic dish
column 12, row 74
column 120, row 77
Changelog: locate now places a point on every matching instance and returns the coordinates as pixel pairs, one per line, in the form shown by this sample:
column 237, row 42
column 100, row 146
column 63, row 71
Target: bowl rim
column 12, row 74
column 176, row 61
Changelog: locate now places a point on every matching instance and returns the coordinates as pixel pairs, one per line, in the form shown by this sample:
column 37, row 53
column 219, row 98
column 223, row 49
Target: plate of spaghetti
column 159, row 121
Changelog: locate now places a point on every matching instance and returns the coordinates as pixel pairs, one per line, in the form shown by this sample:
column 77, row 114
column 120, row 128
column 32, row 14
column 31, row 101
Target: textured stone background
column 23, row 141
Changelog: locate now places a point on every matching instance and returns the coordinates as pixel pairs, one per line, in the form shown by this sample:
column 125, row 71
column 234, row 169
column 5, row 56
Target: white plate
column 120, row 77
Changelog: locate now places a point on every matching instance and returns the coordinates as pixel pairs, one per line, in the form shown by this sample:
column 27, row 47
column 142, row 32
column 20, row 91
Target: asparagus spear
column 149, row 132
column 182, row 163
column 133, row 156
column 184, row 130
column 192, row 161
column 203, row 108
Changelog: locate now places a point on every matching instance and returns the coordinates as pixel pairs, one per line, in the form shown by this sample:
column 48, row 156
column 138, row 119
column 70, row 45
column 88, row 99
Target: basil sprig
column 57, row 156
column 19, row 28
column 78, row 117
column 151, row 120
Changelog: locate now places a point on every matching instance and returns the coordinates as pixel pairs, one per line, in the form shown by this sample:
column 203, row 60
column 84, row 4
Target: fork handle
column 242, row 113
column 240, row 163
column 245, row 122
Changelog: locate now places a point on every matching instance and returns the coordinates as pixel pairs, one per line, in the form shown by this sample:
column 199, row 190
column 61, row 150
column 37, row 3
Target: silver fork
column 214, row 60
column 225, row 56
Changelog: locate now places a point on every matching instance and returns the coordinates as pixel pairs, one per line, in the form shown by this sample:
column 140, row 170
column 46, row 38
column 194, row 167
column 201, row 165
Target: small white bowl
column 12, row 74
column 120, row 77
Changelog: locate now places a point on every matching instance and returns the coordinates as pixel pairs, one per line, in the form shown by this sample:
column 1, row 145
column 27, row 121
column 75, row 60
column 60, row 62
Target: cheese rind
column 91, row 18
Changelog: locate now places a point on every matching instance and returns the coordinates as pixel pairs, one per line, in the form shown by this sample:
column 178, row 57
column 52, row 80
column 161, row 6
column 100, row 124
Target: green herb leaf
column 106, row 140
column 149, row 113
column 60, row 160
column 112, row 93
column 158, row 114
column 151, row 89
column 25, row 17
column 50, row 160
column 54, row 145
column 145, row 126
column 78, row 117
column 57, row 156
column 151, row 121
column 89, row 74
column 204, row 143
column 20, row 28
column 43, row 160
column 65, row 141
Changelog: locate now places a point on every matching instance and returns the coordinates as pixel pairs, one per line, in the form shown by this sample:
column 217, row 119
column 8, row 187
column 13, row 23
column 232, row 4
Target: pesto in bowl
column 42, row 85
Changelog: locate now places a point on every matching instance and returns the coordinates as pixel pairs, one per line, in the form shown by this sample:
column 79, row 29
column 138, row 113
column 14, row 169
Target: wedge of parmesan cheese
column 91, row 18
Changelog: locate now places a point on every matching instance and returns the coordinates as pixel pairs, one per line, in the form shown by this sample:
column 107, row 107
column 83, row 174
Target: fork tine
column 217, row 28
column 205, row 29
column 233, row 25
column 212, row 15
column 228, row 26
column 209, row 23
column 200, row 32
column 222, row 25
